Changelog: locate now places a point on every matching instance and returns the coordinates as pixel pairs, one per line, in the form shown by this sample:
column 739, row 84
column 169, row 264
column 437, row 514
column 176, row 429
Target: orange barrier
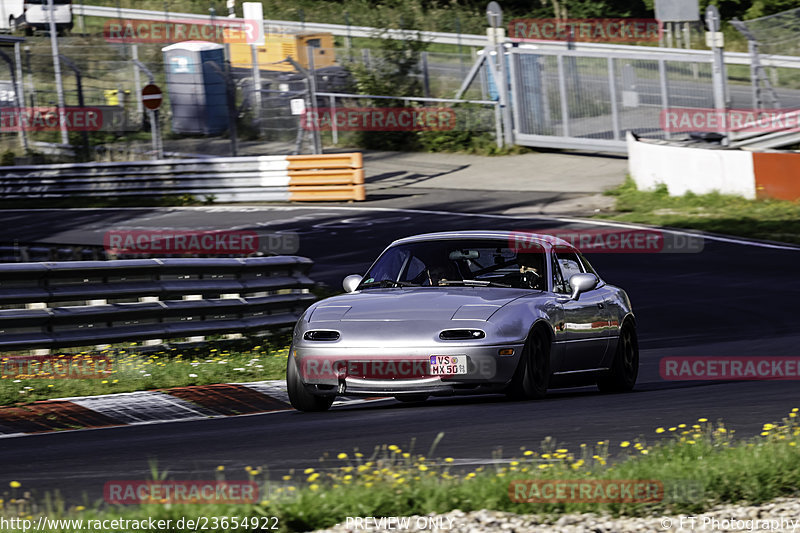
column 777, row 175
column 326, row 177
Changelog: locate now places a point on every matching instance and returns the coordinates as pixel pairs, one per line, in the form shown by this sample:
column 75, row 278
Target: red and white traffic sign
column 152, row 96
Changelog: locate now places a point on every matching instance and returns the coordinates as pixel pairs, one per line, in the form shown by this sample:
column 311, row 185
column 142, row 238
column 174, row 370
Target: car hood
column 415, row 304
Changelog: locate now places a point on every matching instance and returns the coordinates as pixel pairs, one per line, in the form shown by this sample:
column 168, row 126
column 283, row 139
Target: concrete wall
column 684, row 169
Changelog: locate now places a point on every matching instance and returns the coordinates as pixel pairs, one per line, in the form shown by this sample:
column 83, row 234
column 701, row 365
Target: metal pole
column 426, row 82
column 20, row 90
column 348, row 41
column 502, row 87
column 334, row 127
column 713, row 22
column 230, row 91
column 612, row 88
column 155, row 132
column 57, row 70
column 662, row 75
column 81, row 102
column 312, row 94
column 256, row 69
column 562, row 91
column 137, row 82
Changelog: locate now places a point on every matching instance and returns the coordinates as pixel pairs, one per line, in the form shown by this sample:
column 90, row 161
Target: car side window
column 566, row 264
column 558, row 280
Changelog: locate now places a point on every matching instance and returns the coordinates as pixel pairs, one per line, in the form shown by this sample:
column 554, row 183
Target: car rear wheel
column 625, row 367
column 532, row 376
column 300, row 398
column 411, row 398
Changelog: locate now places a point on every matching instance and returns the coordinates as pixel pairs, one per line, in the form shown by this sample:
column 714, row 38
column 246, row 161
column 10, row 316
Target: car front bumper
column 393, row 372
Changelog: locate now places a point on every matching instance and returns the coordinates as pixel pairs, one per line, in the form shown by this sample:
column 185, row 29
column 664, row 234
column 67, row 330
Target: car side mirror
column 582, row 283
column 351, row 282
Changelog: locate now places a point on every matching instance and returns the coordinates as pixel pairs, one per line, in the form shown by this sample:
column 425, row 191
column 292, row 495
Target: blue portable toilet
column 197, row 90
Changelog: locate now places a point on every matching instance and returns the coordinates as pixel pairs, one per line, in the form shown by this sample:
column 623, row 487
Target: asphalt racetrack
column 733, row 298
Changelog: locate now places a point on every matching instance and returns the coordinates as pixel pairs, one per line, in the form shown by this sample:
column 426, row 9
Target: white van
column 35, row 15
column 12, row 14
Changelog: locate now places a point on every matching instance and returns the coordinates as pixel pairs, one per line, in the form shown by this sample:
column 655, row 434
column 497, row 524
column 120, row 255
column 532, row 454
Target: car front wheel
column 532, row 376
column 300, row 398
column 625, row 367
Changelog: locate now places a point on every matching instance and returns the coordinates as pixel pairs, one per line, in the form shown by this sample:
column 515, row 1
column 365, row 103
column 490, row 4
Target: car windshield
column 471, row 262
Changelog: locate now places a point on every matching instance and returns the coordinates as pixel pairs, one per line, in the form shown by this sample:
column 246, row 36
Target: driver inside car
column 531, row 267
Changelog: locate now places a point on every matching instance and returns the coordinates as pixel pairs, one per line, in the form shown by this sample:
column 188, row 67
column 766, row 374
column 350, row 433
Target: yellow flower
column 422, row 468
column 795, row 410
column 393, row 448
column 220, row 468
column 543, row 466
column 624, row 444
column 768, row 427
column 342, row 456
column 681, row 426
column 313, row 477
column 644, row 452
column 448, row 459
column 673, row 428
column 561, row 450
column 287, row 478
column 659, row 430
column 80, row 508
column 702, row 419
column 308, row 470
column 15, row 484
column 528, row 452
column 314, row 487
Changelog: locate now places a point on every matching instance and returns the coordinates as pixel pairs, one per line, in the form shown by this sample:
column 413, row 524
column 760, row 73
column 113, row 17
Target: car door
column 585, row 322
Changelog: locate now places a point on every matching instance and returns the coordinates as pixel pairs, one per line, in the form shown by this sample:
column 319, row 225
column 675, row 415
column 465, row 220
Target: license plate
column 448, row 365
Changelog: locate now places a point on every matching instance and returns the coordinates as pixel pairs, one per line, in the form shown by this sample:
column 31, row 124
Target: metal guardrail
column 82, row 303
column 226, row 179
column 17, row 252
column 734, row 58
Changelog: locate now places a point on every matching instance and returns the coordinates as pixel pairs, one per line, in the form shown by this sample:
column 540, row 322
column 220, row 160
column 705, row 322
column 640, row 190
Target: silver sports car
column 465, row 312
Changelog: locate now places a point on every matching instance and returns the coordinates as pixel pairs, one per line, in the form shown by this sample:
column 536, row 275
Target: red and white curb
column 177, row 404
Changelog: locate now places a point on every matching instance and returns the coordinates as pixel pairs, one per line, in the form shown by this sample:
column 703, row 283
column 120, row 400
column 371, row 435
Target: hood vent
column 461, row 334
column 321, row 335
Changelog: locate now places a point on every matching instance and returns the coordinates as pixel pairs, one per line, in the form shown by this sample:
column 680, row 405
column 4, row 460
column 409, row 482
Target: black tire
column 411, row 398
column 532, row 375
column 300, row 398
column 625, row 367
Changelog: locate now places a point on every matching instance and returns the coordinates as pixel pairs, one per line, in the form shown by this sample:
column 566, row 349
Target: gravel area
column 781, row 515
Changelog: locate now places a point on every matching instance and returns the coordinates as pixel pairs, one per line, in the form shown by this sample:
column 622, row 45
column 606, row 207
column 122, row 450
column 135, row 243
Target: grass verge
column 776, row 220
column 391, row 481
column 129, row 370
